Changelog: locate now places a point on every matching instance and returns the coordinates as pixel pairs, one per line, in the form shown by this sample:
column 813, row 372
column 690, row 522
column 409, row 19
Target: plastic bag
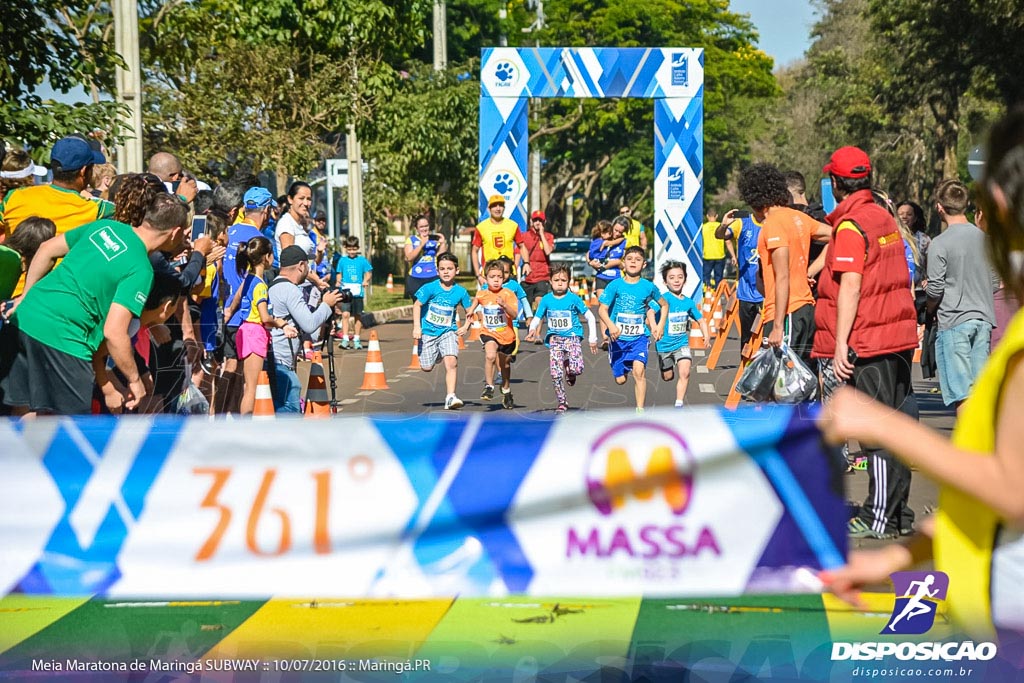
column 758, row 380
column 794, row 382
column 192, row 402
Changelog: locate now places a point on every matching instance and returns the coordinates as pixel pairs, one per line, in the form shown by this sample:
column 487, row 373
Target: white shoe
column 679, row 404
column 453, row 403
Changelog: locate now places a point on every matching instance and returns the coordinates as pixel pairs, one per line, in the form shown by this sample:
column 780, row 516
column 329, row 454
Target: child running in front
column 627, row 314
column 434, row 325
column 500, row 306
column 674, row 347
column 561, row 310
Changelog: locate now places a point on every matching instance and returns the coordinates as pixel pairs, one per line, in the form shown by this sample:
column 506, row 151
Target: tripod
column 328, row 347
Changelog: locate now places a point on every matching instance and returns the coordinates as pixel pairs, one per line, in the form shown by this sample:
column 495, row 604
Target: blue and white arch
column 672, row 77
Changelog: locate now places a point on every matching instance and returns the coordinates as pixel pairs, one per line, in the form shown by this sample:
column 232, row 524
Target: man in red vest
column 866, row 328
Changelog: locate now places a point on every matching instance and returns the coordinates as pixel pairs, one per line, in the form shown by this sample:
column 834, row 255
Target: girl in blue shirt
column 674, row 347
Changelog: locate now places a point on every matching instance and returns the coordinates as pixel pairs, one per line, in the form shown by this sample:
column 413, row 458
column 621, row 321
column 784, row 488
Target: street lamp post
column 129, row 83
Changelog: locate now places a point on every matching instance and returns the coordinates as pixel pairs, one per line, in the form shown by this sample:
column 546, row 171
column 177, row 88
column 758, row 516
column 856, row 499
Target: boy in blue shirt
column 674, row 347
column 434, row 324
column 355, row 273
column 626, row 310
column 561, row 310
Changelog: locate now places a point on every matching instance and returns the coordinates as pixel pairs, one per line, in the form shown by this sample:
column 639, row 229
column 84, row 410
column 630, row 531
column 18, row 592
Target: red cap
column 849, row 162
column 539, row 216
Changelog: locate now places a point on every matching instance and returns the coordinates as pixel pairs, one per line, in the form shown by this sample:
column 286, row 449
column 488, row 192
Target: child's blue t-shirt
column 438, row 311
column 562, row 315
column 524, row 304
column 627, row 306
column 681, row 309
column 352, row 272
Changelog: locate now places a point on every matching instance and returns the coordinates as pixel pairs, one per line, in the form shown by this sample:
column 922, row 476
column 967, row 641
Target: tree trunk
column 945, row 108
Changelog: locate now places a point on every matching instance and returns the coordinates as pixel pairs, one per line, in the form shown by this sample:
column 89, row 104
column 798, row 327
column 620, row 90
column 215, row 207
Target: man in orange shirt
column 782, row 247
column 500, row 307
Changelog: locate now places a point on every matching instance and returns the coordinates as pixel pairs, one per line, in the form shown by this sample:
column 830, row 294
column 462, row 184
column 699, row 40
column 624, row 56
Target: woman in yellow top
column 975, row 537
column 253, row 258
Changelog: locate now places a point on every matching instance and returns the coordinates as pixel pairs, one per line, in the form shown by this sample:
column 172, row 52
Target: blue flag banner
column 697, row 502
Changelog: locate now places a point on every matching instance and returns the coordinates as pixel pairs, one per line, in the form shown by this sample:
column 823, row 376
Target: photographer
column 285, row 301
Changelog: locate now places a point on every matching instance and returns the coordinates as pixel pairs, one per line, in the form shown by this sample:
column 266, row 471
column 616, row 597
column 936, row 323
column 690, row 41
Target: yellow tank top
column 965, row 530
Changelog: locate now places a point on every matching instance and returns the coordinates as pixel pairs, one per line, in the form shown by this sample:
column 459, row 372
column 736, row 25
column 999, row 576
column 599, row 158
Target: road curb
column 373, row 318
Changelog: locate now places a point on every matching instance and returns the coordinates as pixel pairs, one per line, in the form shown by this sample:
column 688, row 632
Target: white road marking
column 707, row 388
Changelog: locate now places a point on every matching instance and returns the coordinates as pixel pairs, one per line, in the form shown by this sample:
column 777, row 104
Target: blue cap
column 73, row 153
column 258, row 198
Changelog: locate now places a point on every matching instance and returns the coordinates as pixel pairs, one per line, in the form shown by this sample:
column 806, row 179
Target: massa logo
column 639, row 460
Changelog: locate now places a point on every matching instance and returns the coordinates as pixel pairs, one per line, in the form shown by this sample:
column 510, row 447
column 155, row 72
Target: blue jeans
column 960, row 353
column 286, row 398
column 714, row 269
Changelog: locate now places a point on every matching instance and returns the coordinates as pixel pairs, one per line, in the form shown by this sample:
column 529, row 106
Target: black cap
column 292, row 256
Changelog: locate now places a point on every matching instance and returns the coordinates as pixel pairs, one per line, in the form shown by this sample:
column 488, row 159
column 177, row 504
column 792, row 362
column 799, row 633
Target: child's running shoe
column 507, row 401
column 344, row 342
column 487, row 394
column 453, row 402
column 858, row 464
column 356, row 344
column 678, row 404
column 562, row 407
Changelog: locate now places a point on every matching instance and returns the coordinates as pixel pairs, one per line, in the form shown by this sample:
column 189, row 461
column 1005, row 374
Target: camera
column 346, row 296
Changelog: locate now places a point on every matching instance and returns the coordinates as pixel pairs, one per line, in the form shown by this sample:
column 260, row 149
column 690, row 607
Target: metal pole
column 440, row 36
column 129, row 83
column 355, row 185
column 569, row 192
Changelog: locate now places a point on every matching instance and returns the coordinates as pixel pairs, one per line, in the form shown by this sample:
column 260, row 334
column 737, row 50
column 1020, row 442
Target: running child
column 500, row 308
column 252, row 260
column 434, row 327
column 525, row 311
column 561, row 310
column 626, row 310
column 607, row 245
column 674, row 347
column 355, row 273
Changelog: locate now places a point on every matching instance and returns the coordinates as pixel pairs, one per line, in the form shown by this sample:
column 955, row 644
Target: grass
column 380, row 298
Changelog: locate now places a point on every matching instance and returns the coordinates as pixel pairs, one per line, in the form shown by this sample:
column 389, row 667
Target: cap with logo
column 538, row 216
column 258, row 198
column 495, row 199
column 72, row 153
column 849, row 162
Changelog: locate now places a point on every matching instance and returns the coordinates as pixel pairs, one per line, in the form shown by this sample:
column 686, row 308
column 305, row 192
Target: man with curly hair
column 782, row 247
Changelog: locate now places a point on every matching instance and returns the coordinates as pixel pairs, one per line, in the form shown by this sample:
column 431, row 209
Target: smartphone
column 741, row 214
column 198, row 227
column 434, row 236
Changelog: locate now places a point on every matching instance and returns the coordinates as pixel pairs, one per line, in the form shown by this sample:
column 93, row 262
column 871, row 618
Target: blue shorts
column 622, row 354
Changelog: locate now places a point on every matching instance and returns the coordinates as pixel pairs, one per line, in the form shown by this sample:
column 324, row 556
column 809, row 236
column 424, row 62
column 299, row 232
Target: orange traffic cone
column 264, row 406
column 317, row 402
column 373, row 374
column 574, row 287
column 414, row 364
column 595, row 300
column 584, row 294
column 391, row 282
column 474, row 330
column 697, row 340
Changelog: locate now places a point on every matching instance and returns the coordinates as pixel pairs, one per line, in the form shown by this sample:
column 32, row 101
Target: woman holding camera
column 422, row 249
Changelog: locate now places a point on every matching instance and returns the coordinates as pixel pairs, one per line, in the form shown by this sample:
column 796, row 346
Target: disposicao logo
column 644, row 462
column 918, row 595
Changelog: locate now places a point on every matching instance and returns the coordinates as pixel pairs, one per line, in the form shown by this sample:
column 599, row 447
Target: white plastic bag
column 794, row 382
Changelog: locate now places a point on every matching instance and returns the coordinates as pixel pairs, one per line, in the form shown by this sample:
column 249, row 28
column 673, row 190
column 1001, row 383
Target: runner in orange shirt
column 500, row 307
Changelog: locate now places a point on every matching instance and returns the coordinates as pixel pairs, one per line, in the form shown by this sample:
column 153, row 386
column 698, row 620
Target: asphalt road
column 411, row 391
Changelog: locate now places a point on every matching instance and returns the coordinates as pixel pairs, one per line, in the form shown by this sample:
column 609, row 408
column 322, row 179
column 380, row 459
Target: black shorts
column 230, row 350
column 799, row 332
column 355, row 307
column 535, row 290
column 46, row 380
column 507, row 349
column 748, row 314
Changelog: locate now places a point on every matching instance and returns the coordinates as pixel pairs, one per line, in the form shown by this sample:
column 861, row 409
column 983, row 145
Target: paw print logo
column 504, row 72
column 504, row 183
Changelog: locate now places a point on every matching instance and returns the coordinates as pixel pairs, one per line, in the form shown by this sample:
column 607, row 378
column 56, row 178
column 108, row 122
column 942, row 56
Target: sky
column 784, row 26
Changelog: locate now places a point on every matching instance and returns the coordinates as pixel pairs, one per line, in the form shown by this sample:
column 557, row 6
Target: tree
column 67, row 44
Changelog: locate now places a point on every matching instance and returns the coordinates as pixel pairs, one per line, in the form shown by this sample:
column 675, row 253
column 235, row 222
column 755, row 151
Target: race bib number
column 677, row 323
column 494, row 318
column 441, row 316
column 355, row 288
column 559, row 321
column 630, row 324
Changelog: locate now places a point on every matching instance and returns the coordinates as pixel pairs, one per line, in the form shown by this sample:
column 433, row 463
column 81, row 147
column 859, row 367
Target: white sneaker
column 453, row 403
column 679, row 404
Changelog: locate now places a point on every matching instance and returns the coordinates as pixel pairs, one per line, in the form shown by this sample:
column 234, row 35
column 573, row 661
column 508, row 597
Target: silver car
column 572, row 252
